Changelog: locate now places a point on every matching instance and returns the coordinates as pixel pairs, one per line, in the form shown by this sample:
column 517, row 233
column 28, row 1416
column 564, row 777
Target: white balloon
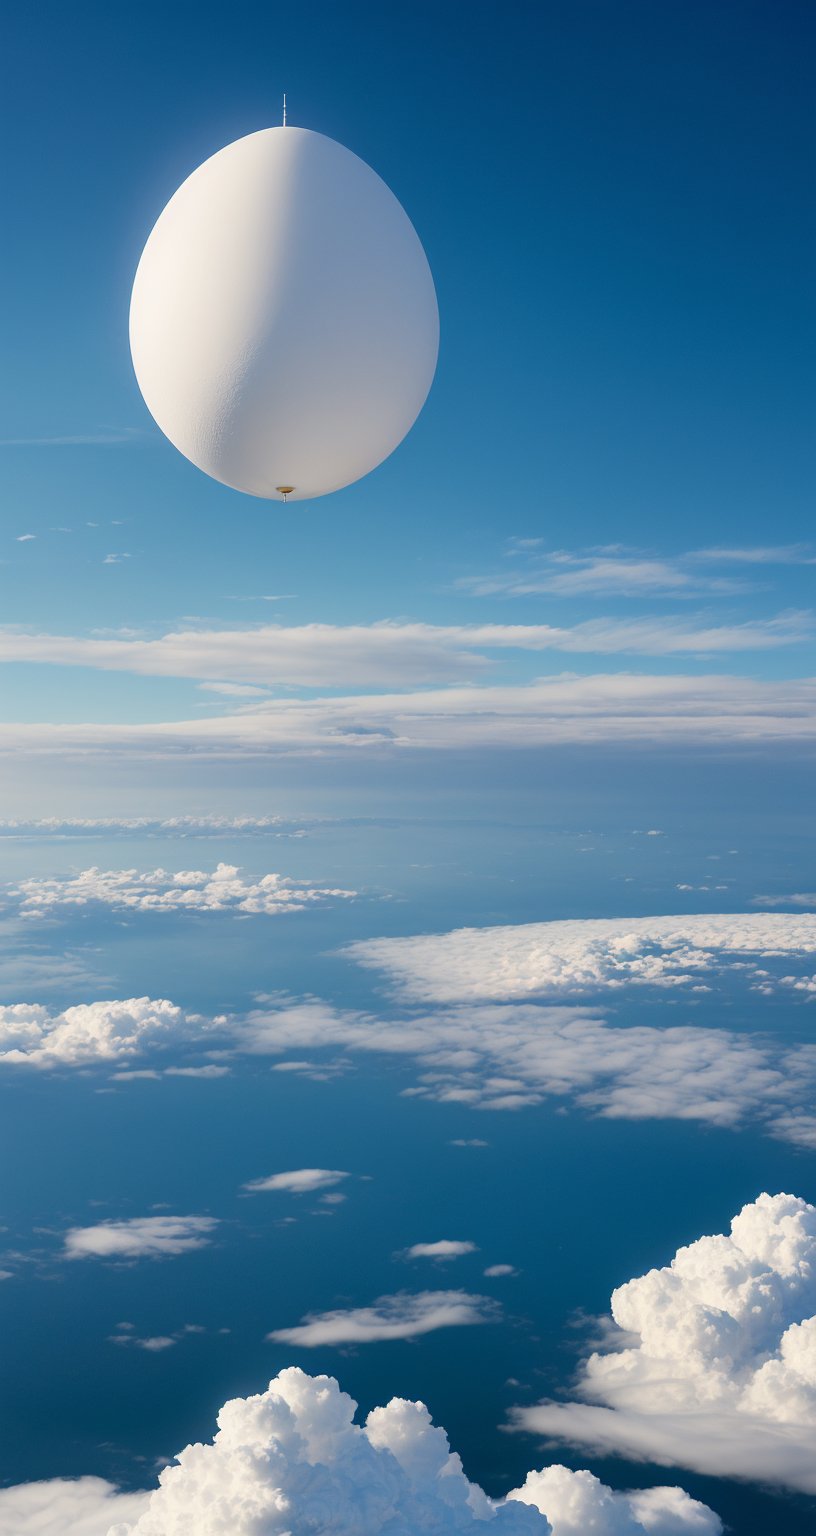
column 283, row 323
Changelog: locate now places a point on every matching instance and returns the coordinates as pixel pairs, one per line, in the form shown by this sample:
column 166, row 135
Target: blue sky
column 449, row 836
column 627, row 327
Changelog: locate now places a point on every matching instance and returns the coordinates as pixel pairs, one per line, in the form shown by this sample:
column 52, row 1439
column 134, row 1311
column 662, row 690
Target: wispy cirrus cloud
column 596, row 573
column 398, row 654
column 758, row 554
column 630, row 708
column 615, row 571
column 102, row 438
column 298, row 1181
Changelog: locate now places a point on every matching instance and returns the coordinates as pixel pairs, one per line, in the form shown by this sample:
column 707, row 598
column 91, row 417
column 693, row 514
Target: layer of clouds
column 716, row 1368
column 625, row 707
column 291, row 1462
column 168, row 826
column 403, row 1316
column 299, row 1181
column 161, row 890
column 469, row 1048
column 103, row 438
column 146, row 1237
column 580, row 956
column 511, row 1057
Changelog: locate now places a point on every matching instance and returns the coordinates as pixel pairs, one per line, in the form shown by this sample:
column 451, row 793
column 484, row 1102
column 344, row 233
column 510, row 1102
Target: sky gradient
column 430, row 863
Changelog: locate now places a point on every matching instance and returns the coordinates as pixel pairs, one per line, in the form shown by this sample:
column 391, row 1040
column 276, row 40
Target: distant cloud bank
column 161, row 890
column 583, row 956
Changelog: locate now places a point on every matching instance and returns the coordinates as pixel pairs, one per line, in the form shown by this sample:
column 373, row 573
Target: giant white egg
column 283, row 324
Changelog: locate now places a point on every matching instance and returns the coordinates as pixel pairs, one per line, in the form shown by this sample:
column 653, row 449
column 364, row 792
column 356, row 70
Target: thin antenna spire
column 284, row 109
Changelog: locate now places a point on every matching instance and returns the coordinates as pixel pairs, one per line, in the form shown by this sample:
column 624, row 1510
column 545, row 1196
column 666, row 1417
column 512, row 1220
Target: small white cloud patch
column 446, row 1248
column 299, row 1181
column 151, row 1237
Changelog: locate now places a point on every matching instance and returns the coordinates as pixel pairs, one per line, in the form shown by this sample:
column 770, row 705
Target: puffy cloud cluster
column 150, row 1237
column 292, row 1462
column 722, row 1376
column 404, row 1316
column 95, row 1033
column 579, row 956
column 160, row 890
column 489, row 1056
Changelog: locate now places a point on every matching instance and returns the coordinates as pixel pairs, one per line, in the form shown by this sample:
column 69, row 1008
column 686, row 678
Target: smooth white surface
column 283, row 324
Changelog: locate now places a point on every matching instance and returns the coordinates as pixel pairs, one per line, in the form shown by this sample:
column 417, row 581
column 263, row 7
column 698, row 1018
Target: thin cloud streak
column 627, row 708
column 326, row 655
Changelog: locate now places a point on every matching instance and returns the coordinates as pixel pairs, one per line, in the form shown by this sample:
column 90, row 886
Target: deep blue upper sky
column 615, row 203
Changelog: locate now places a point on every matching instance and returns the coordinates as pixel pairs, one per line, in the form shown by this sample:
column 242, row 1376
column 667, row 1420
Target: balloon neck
column 285, row 490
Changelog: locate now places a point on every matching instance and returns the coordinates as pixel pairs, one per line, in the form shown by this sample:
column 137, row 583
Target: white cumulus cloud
column 151, row 1237
column 292, row 1462
column 716, row 1368
column 626, row 707
column 94, row 1033
column 161, row 890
